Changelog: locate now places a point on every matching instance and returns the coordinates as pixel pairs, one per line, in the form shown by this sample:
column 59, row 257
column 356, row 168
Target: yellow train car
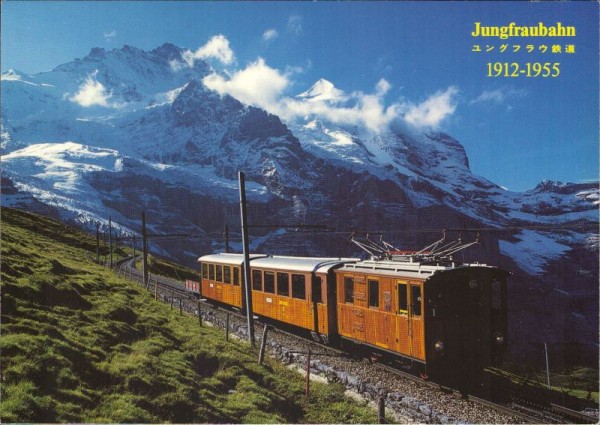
column 298, row 291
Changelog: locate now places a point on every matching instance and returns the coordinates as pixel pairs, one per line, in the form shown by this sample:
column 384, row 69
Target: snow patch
column 59, row 167
column 533, row 250
column 590, row 195
column 339, row 137
column 167, row 98
column 12, row 75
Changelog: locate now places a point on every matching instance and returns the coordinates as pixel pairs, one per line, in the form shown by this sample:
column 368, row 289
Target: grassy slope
column 581, row 382
column 81, row 345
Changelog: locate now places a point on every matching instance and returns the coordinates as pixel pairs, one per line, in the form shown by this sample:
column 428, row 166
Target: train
column 443, row 319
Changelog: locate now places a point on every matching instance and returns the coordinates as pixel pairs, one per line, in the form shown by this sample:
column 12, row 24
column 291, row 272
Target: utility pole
column 226, row 238
column 98, row 242
column 246, row 248
column 263, row 344
column 145, row 251
column 547, row 365
column 134, row 250
column 307, row 383
column 110, row 240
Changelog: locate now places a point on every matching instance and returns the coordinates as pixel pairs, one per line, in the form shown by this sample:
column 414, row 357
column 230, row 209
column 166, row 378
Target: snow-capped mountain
column 322, row 90
column 124, row 131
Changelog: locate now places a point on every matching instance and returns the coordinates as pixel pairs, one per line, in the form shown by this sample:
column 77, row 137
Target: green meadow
column 80, row 344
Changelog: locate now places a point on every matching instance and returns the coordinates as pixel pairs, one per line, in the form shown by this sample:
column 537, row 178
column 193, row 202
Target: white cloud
column 108, row 36
column 177, row 65
column 262, row 86
column 91, row 93
column 294, row 24
column 383, row 86
column 498, row 96
column 257, row 85
column 433, row 111
column 495, row 96
column 217, row 48
column 270, row 34
column 358, row 108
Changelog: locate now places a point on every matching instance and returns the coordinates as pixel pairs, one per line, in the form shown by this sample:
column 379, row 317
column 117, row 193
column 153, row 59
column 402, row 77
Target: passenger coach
column 299, row 291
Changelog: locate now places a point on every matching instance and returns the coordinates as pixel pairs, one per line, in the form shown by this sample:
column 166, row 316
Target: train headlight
column 438, row 346
column 473, row 284
column 499, row 339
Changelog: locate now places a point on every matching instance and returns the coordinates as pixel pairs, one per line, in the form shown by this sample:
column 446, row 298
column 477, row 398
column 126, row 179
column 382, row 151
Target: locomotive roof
column 301, row 264
column 405, row 269
column 228, row 258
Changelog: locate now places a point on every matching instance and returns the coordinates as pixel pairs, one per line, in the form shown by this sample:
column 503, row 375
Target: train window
column 283, row 284
column 402, row 299
column 236, row 276
column 226, row 274
column 211, row 272
column 257, row 280
column 204, row 271
column 373, row 293
column 299, row 287
column 496, row 295
column 348, row 290
column 270, row 282
column 219, row 277
column 415, row 294
column 316, row 289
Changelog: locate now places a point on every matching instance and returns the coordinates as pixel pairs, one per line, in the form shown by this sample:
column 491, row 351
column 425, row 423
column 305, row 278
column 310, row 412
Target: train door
column 415, row 318
column 329, row 281
column 283, row 302
column 237, row 287
column 319, row 304
column 270, row 300
column 359, row 310
column 219, row 282
column 403, row 328
column 380, row 306
column 210, row 290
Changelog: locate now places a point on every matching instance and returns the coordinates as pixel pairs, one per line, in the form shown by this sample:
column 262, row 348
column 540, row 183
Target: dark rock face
column 258, row 124
column 168, row 52
column 196, row 106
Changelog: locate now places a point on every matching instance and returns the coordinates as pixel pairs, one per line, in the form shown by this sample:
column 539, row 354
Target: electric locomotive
column 445, row 320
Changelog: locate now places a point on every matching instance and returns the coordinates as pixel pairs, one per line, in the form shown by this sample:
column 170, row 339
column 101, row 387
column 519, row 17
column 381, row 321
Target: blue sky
column 396, row 58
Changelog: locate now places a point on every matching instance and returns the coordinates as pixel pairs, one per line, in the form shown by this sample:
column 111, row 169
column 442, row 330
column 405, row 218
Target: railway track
column 520, row 410
column 577, row 417
column 521, row 416
column 173, row 287
column 525, row 411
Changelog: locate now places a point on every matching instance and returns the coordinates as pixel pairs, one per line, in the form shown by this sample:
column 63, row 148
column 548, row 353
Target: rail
column 533, row 413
